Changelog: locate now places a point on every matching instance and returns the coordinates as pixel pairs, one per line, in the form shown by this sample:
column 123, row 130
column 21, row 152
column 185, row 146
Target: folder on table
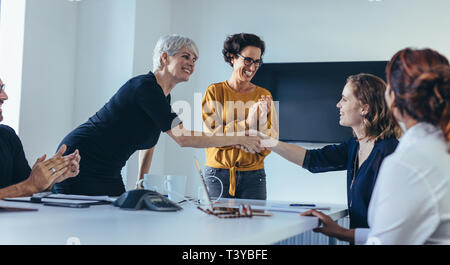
column 51, row 199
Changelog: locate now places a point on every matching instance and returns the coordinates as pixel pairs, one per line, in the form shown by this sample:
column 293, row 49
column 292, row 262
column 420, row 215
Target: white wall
column 105, row 54
column 49, row 56
column 149, row 13
column 12, row 20
column 105, row 45
column 77, row 54
column 303, row 31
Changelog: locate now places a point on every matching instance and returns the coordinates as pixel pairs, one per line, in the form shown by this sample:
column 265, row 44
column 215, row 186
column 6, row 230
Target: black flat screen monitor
column 308, row 93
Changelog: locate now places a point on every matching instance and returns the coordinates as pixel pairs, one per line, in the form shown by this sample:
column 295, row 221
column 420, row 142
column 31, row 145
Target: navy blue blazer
column 341, row 157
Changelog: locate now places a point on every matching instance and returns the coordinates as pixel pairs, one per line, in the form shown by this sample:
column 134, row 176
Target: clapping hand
column 258, row 111
column 45, row 173
column 74, row 164
column 263, row 106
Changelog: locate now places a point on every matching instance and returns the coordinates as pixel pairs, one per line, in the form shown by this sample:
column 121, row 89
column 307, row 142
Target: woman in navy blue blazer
column 363, row 108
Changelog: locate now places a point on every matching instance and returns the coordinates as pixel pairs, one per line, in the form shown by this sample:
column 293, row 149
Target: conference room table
column 109, row 225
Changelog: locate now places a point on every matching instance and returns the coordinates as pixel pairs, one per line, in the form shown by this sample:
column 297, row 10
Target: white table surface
column 109, row 225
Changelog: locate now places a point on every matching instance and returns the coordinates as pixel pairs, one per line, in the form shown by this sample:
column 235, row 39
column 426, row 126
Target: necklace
column 355, row 164
column 364, row 155
column 355, row 170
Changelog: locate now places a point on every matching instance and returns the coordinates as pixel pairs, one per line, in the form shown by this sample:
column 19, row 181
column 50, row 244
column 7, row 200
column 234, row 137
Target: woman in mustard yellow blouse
column 234, row 107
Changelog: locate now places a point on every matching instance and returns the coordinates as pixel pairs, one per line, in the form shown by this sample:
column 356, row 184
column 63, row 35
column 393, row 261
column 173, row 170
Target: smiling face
column 180, row 65
column 350, row 110
column 3, row 97
column 242, row 72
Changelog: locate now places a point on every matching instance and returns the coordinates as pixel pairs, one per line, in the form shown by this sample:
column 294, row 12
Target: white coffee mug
column 175, row 187
column 152, row 182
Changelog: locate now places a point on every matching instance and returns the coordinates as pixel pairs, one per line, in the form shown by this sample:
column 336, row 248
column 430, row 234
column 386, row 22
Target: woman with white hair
column 133, row 119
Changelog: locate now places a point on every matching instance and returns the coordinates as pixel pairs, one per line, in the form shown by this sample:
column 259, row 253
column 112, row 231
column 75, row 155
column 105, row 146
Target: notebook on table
column 63, row 200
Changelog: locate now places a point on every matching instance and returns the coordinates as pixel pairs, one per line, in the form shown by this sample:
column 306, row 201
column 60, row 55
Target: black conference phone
column 146, row 200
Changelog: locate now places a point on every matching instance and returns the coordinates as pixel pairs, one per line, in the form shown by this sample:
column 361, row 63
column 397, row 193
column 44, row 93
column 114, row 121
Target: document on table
column 52, row 200
column 79, row 197
column 278, row 207
column 63, row 198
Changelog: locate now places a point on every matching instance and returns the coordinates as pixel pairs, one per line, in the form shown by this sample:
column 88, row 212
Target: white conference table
column 109, row 225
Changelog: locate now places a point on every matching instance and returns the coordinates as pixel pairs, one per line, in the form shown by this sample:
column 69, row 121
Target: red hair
column 420, row 80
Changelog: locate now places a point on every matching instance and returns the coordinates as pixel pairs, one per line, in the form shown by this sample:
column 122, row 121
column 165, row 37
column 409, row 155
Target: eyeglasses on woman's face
column 249, row 61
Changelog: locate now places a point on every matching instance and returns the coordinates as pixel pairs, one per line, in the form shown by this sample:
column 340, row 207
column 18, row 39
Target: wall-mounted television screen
column 308, row 93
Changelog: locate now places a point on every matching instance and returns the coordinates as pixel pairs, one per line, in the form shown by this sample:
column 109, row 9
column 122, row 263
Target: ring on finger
column 53, row 170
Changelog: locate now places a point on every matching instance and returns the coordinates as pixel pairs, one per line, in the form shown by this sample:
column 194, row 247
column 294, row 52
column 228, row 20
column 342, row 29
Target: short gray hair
column 171, row 44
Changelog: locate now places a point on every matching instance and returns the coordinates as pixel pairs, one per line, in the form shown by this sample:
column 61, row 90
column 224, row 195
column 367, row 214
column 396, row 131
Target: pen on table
column 302, row 205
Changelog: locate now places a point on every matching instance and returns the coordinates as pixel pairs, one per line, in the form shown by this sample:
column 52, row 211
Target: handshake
column 255, row 142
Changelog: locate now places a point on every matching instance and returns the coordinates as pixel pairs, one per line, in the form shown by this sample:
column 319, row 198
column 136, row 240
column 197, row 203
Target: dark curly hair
column 420, row 80
column 234, row 44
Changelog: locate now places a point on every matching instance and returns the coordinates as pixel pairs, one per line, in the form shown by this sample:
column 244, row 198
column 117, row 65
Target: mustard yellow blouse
column 224, row 112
